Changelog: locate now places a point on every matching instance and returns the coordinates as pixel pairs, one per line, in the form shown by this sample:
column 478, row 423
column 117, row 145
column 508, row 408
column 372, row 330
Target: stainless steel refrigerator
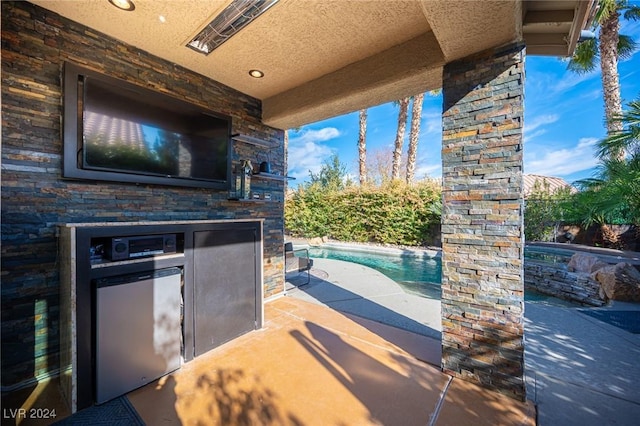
column 138, row 330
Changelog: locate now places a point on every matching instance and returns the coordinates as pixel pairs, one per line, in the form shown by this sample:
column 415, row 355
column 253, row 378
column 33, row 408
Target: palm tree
column 414, row 132
column 609, row 46
column 402, row 127
column 614, row 194
column 362, row 147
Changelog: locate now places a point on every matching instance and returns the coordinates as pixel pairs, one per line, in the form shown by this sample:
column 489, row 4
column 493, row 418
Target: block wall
column 482, row 223
column 35, row 198
column 556, row 281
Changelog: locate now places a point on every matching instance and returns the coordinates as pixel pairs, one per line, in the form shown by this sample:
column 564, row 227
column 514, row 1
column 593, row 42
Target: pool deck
column 579, row 370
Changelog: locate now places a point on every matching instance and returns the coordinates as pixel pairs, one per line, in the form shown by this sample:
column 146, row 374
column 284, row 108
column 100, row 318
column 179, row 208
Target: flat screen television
column 117, row 131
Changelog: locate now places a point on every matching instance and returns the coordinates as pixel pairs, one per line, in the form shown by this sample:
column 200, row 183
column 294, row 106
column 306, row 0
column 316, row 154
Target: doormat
column 626, row 320
column 118, row 411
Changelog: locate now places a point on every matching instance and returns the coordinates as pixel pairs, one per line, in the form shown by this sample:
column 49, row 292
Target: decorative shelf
column 271, row 176
column 255, row 141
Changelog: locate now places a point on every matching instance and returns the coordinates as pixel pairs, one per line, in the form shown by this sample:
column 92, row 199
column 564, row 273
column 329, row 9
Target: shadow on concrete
column 404, row 332
column 232, row 397
column 341, row 299
column 580, row 370
column 391, row 395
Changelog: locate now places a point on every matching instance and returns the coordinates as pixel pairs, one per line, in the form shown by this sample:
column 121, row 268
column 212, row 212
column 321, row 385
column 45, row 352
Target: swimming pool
column 548, row 255
column 422, row 275
column 419, row 275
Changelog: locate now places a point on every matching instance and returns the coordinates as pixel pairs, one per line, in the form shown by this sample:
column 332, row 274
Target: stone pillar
column 482, row 220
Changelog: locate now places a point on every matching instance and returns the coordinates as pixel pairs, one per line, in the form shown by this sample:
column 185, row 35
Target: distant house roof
column 554, row 183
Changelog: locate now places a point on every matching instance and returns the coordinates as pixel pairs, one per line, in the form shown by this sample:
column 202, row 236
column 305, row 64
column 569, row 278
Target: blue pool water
column 419, row 275
column 423, row 275
column 549, row 255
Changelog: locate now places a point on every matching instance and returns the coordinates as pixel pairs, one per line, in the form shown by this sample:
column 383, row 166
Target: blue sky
column 564, row 118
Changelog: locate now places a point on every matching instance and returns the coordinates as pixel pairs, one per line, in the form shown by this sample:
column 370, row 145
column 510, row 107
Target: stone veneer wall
column 482, row 227
column 556, row 281
column 35, row 44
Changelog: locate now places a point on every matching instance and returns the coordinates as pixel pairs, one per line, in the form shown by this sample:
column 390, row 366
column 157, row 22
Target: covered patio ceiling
column 325, row 58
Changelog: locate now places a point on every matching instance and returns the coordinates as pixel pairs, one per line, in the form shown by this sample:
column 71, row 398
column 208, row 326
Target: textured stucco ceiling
column 325, row 58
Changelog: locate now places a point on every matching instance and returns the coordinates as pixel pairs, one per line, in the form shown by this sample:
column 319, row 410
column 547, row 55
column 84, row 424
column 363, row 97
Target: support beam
column 407, row 69
column 548, row 16
column 482, row 220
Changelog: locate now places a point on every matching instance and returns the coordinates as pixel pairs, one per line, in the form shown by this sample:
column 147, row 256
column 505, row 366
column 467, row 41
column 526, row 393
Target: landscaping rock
column 317, row 241
column 619, row 282
column 585, row 263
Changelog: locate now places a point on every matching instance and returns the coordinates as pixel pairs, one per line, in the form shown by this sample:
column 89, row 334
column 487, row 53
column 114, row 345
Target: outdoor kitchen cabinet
column 221, row 288
column 225, row 297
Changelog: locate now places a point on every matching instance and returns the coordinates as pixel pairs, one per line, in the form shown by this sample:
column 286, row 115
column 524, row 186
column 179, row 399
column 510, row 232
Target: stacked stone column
column 482, row 220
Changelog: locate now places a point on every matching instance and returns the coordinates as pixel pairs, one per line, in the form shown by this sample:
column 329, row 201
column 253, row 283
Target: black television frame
column 73, row 133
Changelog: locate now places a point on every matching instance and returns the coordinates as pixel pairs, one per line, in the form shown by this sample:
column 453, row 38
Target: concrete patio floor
column 579, row 370
column 312, row 365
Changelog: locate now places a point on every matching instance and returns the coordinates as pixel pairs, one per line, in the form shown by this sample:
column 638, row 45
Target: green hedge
column 394, row 213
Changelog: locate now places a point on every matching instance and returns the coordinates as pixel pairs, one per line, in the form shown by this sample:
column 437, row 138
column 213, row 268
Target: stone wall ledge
column 555, row 280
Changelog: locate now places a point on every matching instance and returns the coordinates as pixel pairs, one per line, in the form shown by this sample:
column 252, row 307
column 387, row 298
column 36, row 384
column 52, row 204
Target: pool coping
column 608, row 255
column 611, row 256
column 429, row 252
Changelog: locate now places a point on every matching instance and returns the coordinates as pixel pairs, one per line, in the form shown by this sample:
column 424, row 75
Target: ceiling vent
column 232, row 19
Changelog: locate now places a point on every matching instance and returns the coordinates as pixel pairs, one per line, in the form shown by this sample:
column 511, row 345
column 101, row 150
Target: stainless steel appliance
column 138, row 330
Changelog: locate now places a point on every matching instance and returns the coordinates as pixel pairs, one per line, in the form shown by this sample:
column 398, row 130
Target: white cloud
column 535, row 127
column 628, row 76
column 320, row 135
column 532, row 135
column 431, row 122
column 564, row 161
column 571, row 80
column 538, row 121
column 429, row 171
column 308, row 153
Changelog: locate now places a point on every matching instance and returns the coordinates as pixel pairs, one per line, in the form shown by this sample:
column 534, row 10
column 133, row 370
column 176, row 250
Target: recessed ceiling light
column 123, row 4
column 256, row 73
column 162, row 19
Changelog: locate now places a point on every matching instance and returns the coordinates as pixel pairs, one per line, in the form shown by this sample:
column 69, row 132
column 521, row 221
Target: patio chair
column 297, row 261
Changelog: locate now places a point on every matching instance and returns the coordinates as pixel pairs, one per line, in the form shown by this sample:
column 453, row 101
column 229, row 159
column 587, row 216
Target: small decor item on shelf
column 246, row 171
column 265, row 167
column 96, row 252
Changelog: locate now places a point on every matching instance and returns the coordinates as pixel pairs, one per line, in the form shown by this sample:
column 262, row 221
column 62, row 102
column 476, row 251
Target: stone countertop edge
column 159, row 222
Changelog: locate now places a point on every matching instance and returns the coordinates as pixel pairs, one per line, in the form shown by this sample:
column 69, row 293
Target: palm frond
column 616, row 143
column 584, row 59
column 605, row 9
column 632, row 13
column 626, row 140
column 626, row 46
column 614, row 194
column 588, row 183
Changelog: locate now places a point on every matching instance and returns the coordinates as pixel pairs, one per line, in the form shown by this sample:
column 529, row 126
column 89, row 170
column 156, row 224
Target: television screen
column 132, row 134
